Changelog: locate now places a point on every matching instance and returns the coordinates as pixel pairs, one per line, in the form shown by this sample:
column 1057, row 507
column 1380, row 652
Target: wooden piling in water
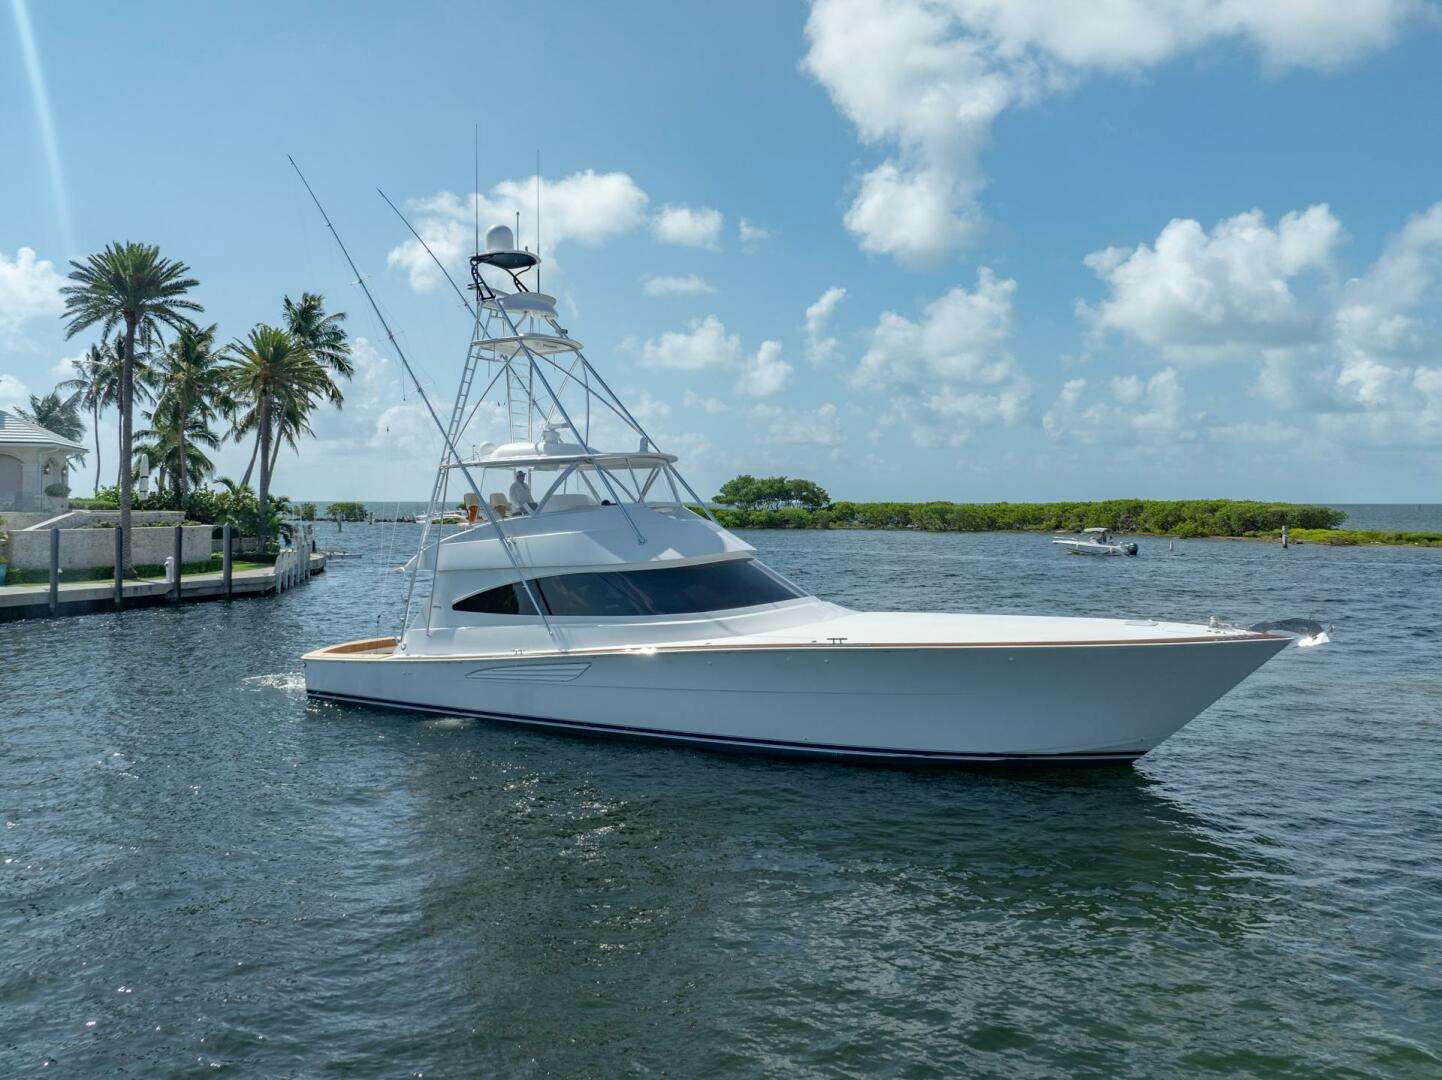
column 119, row 568
column 179, row 556
column 54, row 570
column 225, row 562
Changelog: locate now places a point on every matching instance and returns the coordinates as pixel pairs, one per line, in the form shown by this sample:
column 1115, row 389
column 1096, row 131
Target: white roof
column 539, row 344
column 534, row 304
column 533, row 459
column 15, row 430
column 552, row 452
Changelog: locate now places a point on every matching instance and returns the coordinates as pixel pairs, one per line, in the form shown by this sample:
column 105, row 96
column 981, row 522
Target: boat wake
column 289, row 682
column 1308, row 632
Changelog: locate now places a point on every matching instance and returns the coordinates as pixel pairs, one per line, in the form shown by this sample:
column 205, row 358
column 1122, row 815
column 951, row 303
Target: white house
column 32, row 459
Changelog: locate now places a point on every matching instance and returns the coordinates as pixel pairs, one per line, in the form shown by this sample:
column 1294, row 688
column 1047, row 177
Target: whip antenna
column 538, row 220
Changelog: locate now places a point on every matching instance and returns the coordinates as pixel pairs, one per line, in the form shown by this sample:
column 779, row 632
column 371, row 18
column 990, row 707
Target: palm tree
column 169, row 442
column 267, row 373
column 53, row 413
column 290, row 419
column 97, row 383
column 324, row 336
column 192, row 390
column 143, row 382
column 128, row 285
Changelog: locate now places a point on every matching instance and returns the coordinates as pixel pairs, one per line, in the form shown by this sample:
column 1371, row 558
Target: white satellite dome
column 501, row 250
column 500, row 238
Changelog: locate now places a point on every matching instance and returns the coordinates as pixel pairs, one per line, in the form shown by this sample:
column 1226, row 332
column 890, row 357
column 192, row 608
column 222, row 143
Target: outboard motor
column 1131, row 548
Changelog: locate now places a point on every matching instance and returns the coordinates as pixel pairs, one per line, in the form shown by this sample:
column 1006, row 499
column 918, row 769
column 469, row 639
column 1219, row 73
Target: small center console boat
column 1098, row 542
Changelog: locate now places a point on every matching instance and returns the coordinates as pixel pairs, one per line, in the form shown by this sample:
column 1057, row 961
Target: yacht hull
column 1098, row 702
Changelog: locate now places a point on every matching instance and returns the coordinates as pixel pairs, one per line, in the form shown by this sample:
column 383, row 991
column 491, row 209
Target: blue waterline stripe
column 732, row 740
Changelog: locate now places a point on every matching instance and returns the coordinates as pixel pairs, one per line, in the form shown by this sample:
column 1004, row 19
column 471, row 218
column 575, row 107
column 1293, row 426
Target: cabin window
column 506, row 600
column 679, row 590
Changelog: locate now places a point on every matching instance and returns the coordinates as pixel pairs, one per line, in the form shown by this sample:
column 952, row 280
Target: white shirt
column 521, row 496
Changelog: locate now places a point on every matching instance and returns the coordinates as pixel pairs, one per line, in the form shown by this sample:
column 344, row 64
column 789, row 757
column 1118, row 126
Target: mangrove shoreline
column 1180, row 519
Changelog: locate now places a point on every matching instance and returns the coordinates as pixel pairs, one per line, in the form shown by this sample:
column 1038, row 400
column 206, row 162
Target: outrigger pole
column 439, row 265
column 425, row 400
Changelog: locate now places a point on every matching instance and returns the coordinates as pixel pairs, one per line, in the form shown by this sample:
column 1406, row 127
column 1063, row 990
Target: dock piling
column 179, row 555
column 119, row 568
column 54, row 571
column 225, row 560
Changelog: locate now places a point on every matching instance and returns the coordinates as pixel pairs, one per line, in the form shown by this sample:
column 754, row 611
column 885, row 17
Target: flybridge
column 553, row 406
column 548, row 398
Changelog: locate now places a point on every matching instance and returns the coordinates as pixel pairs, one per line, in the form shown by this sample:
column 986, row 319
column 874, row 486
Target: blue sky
column 990, row 250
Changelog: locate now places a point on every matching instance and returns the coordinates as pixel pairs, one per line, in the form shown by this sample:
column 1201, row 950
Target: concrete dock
column 80, row 597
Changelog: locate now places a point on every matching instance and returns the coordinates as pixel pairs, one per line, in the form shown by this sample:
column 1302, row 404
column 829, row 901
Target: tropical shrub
column 746, row 492
column 348, row 511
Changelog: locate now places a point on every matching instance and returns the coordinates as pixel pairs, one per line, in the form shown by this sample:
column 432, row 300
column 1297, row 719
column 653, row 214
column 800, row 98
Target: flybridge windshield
column 680, row 590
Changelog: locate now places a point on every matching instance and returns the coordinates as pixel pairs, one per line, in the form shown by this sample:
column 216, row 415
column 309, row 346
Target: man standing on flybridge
column 521, row 500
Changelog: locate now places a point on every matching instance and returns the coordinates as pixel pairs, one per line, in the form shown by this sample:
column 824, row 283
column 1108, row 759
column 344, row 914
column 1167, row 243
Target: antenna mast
column 476, row 191
column 538, row 219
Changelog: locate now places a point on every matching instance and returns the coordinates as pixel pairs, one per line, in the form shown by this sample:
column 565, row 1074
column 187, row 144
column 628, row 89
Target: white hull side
column 946, row 703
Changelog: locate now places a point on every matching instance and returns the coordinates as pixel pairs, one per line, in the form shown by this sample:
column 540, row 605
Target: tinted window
column 507, row 600
column 678, row 590
column 587, row 594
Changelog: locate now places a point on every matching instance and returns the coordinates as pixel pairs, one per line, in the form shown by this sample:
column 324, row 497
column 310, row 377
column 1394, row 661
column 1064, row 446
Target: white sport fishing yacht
column 590, row 595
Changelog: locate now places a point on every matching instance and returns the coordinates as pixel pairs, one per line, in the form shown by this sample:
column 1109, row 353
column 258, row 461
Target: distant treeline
column 1181, row 518
column 1360, row 537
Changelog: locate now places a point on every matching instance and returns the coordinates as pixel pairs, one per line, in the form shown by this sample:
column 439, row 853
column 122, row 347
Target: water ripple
column 203, row 871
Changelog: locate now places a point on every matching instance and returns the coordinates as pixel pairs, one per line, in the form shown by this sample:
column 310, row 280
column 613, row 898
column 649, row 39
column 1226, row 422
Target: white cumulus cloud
column 1130, row 409
column 1378, row 311
column 705, row 344
column 692, row 400
column 13, row 391
column 689, row 226
column 926, row 80
column 406, row 429
column 950, row 371
column 1194, row 293
column 1351, row 362
column 821, row 349
column 676, row 285
column 799, row 427
column 29, row 289
column 586, row 207
column 751, row 234
column 765, row 373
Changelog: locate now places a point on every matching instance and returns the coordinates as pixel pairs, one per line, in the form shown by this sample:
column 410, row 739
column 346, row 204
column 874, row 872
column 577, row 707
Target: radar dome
column 500, row 238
